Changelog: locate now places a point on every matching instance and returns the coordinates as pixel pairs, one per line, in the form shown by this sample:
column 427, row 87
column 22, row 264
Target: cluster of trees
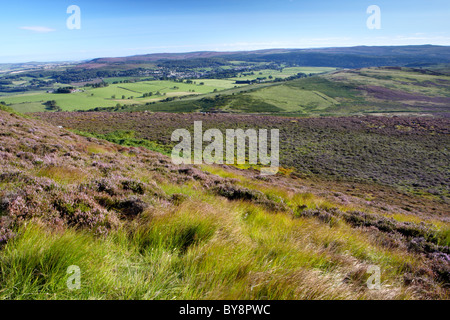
column 81, row 75
column 64, row 90
column 277, row 79
column 7, row 85
column 52, row 106
column 15, row 89
column 293, row 77
column 97, row 85
column 221, row 74
column 128, row 81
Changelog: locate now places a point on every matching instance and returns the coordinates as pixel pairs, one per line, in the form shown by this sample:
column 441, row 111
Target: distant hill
column 355, row 57
column 342, row 57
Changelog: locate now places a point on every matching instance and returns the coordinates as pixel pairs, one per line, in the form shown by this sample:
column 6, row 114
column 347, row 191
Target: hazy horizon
column 186, row 52
column 38, row 31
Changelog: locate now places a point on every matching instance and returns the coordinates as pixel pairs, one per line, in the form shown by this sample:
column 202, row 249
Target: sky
column 36, row 30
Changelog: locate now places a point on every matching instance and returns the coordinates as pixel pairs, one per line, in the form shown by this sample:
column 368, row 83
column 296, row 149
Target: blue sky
column 35, row 30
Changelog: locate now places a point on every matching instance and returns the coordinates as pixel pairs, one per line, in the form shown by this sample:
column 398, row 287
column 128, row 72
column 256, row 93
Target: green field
column 133, row 92
column 290, row 99
column 286, row 72
column 123, row 93
column 368, row 90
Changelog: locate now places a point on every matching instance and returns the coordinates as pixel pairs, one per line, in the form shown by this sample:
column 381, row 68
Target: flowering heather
column 140, row 227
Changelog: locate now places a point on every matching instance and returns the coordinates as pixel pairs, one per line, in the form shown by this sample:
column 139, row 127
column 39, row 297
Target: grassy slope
column 291, row 99
column 102, row 97
column 370, row 90
column 140, row 227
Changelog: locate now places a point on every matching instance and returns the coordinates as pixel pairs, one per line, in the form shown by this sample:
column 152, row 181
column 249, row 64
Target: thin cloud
column 38, row 29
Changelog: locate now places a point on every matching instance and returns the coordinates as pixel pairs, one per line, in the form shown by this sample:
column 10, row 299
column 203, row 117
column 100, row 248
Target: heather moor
column 204, row 159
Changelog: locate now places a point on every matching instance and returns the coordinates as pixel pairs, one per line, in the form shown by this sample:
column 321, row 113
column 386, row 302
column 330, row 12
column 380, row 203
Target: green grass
column 292, row 99
column 300, row 97
column 329, row 88
column 286, row 72
column 28, row 107
column 103, row 97
column 188, row 242
column 126, row 138
column 200, row 250
column 69, row 102
column 132, row 93
column 11, row 110
column 330, row 93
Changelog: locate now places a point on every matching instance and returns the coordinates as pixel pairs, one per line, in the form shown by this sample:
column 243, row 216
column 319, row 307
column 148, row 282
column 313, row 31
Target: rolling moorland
column 390, row 151
column 140, row 227
column 364, row 177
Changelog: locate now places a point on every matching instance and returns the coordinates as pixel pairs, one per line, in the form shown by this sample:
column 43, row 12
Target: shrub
column 133, row 185
column 79, row 210
column 132, row 206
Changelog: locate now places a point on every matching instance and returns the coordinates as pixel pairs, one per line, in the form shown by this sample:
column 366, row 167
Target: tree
column 64, row 90
column 51, row 105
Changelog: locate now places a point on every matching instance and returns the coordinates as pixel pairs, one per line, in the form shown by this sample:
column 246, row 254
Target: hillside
column 341, row 92
column 344, row 57
column 299, row 82
column 140, row 227
column 387, row 152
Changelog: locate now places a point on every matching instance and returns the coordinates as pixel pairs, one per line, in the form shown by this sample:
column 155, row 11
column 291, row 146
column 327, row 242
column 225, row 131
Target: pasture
column 285, row 73
column 122, row 93
column 293, row 100
column 142, row 92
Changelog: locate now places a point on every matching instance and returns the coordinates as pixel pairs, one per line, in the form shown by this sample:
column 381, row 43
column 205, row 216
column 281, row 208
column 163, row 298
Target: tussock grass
column 226, row 250
column 33, row 266
column 207, row 247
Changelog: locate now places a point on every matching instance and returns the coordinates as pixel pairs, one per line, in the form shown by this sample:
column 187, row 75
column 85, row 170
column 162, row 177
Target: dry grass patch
column 63, row 174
